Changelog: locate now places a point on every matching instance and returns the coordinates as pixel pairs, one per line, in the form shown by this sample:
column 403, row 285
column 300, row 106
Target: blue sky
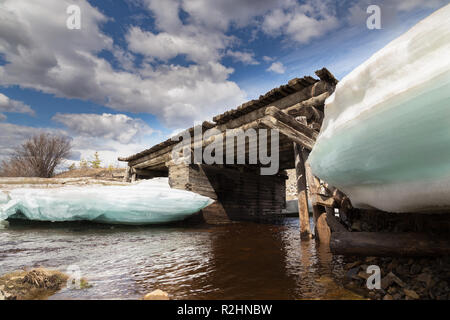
column 139, row 70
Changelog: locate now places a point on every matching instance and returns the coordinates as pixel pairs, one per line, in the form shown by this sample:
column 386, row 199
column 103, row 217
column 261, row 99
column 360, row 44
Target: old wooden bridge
column 240, row 192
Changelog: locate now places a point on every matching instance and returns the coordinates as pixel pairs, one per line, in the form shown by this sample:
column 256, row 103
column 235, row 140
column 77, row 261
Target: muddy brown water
column 237, row 261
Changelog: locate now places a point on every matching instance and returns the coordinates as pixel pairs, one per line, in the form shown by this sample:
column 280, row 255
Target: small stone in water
column 156, row 295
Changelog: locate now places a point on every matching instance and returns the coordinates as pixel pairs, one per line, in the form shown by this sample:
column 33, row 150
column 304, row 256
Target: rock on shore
column 402, row 278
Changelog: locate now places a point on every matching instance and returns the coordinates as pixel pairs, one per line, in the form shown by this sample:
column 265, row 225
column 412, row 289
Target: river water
column 237, row 261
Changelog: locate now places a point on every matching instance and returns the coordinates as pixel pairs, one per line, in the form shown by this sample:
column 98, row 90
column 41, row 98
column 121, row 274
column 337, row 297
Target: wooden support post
column 126, row 178
column 322, row 230
column 133, row 174
column 303, row 211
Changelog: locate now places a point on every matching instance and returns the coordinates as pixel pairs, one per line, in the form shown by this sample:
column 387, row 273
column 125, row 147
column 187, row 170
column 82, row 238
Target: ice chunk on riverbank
column 385, row 139
column 146, row 202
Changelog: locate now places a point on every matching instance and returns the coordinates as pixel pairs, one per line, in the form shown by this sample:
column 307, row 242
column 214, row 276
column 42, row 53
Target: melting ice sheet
column 146, row 202
column 385, row 140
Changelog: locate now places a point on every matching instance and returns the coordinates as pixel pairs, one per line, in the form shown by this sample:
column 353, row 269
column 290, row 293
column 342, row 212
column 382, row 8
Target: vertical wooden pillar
column 133, row 175
column 303, row 211
column 302, row 197
column 322, row 230
column 126, row 178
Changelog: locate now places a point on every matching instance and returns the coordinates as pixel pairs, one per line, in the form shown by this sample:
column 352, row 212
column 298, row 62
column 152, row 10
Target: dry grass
column 35, row 284
column 114, row 174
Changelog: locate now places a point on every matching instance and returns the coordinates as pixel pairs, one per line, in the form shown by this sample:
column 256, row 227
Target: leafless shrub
column 37, row 157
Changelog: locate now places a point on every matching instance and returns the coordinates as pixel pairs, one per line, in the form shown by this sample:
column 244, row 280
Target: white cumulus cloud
column 244, row 57
column 277, row 67
column 118, row 127
column 10, row 105
column 301, row 22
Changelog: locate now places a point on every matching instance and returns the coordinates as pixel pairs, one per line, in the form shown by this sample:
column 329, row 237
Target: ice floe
column 145, row 202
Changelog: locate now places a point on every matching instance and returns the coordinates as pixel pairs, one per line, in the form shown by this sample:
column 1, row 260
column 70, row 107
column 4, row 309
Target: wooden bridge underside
column 296, row 110
column 240, row 191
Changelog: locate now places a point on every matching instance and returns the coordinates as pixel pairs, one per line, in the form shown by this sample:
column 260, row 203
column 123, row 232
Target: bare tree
column 37, row 157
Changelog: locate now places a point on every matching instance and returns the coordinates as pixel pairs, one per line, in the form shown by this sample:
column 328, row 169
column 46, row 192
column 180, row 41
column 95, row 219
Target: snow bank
column 385, row 140
column 146, row 202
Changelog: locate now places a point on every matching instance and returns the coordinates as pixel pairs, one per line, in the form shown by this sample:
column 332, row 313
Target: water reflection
column 237, row 261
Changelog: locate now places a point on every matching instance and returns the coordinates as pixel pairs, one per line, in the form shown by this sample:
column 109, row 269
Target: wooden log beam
column 388, row 244
column 294, row 135
column 290, row 121
column 322, row 200
column 308, row 107
column 160, row 160
column 204, row 142
column 242, row 120
column 152, row 155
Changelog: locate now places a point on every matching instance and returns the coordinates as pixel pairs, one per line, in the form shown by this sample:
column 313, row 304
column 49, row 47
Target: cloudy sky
column 139, row 70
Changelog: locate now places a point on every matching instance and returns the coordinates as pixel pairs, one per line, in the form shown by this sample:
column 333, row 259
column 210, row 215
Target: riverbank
column 401, row 278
